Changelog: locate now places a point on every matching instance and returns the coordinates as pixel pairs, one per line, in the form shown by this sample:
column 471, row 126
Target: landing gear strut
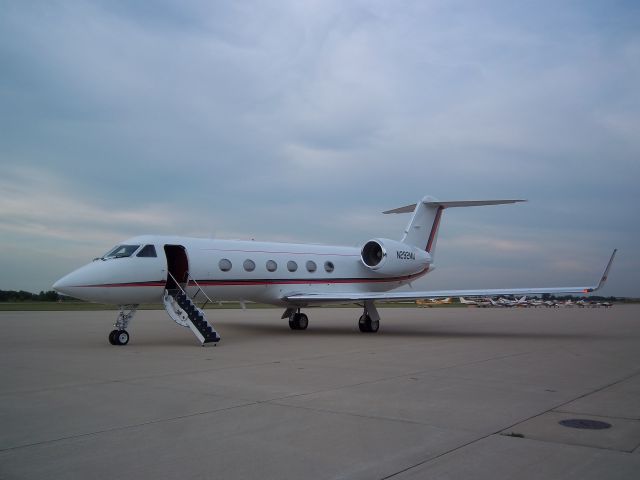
column 369, row 321
column 298, row 321
column 120, row 336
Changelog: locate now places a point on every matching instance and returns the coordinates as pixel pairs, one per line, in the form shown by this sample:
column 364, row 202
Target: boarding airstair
column 183, row 310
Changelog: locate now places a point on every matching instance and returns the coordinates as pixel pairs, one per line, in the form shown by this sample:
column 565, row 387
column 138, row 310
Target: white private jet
column 178, row 270
column 430, row 302
column 507, row 302
column 465, row 301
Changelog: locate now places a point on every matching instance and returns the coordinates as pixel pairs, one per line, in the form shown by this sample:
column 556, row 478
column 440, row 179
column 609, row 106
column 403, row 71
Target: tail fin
column 422, row 229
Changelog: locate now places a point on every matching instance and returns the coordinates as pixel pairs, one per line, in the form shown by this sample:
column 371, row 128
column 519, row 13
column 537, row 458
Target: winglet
column 605, row 275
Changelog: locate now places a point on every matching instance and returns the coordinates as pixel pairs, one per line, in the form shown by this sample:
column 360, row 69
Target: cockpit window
column 121, row 251
column 147, row 251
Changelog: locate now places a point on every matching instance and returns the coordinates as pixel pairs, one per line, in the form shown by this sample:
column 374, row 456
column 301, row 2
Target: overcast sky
column 303, row 120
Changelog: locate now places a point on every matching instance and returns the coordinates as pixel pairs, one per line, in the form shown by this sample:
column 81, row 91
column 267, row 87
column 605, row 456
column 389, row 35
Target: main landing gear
column 369, row 321
column 298, row 321
column 120, row 336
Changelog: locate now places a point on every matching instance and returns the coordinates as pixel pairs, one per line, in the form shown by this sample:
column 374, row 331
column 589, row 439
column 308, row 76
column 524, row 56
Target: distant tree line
column 22, row 296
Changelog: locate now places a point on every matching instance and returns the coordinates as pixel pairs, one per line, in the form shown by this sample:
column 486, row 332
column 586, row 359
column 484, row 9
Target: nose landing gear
column 120, row 336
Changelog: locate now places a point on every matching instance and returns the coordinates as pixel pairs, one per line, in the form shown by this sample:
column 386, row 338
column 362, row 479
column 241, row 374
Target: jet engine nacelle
column 391, row 258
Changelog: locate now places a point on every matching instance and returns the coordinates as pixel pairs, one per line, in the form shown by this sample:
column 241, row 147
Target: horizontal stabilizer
column 457, row 203
column 422, row 230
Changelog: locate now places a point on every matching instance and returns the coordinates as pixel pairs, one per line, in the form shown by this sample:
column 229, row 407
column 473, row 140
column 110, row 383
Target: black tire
column 367, row 325
column 374, row 325
column 112, row 337
column 298, row 321
column 363, row 323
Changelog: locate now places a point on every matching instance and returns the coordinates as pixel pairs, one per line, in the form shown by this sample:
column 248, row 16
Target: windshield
column 121, row 251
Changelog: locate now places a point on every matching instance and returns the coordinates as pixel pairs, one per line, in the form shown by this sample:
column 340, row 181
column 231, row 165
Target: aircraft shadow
column 283, row 331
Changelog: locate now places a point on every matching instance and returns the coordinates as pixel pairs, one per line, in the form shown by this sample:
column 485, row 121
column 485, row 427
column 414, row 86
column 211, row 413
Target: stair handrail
column 189, row 277
column 177, row 283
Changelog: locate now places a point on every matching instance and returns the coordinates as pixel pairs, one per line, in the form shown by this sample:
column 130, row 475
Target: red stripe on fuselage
column 281, row 281
column 160, row 283
column 283, row 252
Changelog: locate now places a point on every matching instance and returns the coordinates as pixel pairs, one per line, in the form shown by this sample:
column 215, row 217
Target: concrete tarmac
column 437, row 393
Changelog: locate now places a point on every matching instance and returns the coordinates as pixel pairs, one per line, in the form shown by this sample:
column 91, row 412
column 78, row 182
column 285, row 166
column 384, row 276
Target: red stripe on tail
column 434, row 229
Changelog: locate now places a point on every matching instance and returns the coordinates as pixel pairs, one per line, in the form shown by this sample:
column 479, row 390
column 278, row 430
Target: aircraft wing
column 355, row 297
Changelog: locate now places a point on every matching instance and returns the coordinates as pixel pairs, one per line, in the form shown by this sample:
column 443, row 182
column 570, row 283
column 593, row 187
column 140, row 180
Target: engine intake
column 393, row 258
column 372, row 254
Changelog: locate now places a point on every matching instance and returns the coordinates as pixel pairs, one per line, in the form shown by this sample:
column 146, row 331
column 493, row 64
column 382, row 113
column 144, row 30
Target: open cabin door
column 180, row 306
column 177, row 265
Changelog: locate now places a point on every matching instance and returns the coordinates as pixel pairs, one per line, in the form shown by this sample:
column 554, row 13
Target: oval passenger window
column 249, row 265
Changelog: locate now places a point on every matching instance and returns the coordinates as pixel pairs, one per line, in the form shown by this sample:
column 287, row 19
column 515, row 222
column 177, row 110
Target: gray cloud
column 302, row 120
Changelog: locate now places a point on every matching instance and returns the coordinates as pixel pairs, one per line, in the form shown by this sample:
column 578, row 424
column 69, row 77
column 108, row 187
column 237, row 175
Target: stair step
column 197, row 321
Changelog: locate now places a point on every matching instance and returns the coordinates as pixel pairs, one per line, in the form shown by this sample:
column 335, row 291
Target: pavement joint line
column 125, row 427
column 596, row 447
column 146, row 377
column 435, row 457
column 599, row 389
column 193, row 392
column 54, row 388
column 369, row 417
column 325, row 390
column 431, row 459
column 237, row 367
column 387, row 378
column 627, row 377
column 276, row 401
column 291, row 361
column 249, row 402
column 571, row 412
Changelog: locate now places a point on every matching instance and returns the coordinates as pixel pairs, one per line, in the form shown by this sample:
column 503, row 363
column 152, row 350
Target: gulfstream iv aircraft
column 182, row 271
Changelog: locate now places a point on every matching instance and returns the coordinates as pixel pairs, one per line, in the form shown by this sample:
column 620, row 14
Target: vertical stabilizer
column 422, row 230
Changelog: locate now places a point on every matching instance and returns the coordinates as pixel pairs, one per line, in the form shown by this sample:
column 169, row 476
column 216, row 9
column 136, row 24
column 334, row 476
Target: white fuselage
column 233, row 270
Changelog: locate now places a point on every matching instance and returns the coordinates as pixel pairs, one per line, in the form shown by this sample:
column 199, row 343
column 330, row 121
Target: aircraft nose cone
column 62, row 285
column 72, row 283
